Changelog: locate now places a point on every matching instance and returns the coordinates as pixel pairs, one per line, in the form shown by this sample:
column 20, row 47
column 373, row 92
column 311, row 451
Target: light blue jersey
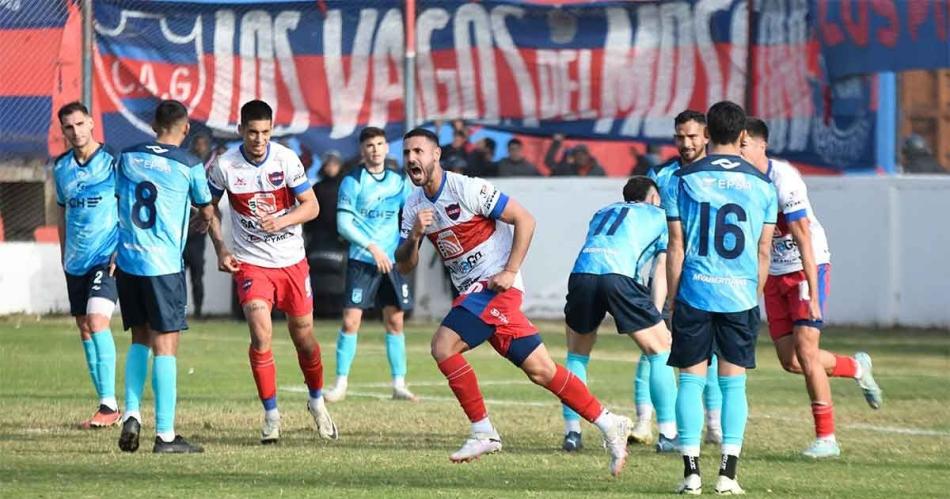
column 156, row 186
column 368, row 211
column 623, row 238
column 661, row 174
column 87, row 192
column 722, row 202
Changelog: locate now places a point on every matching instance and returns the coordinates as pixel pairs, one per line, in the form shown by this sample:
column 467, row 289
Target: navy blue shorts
column 97, row 283
column 697, row 334
column 591, row 296
column 159, row 301
column 474, row 331
column 366, row 287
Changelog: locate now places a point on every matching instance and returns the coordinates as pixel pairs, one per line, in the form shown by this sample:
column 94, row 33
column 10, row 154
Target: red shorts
column 500, row 310
column 786, row 300
column 287, row 288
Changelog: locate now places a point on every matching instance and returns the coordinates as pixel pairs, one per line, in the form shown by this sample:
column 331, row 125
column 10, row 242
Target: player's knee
column 541, row 374
column 791, row 364
column 351, row 322
column 94, row 323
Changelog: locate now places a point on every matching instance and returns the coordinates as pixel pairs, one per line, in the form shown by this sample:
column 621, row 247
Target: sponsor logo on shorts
column 276, row 178
column 453, row 211
column 357, row 295
column 498, row 315
column 246, row 285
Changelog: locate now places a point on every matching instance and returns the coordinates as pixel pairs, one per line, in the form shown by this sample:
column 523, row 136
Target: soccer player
column 460, row 216
column 795, row 294
column 689, row 135
column 270, row 198
column 156, row 184
column 721, row 215
column 88, row 233
column 625, row 242
column 370, row 199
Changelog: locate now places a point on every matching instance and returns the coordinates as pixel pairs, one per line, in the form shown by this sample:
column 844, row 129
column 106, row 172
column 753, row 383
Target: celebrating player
column 625, row 243
column 795, row 294
column 88, row 234
column 721, row 213
column 689, row 134
column 155, row 182
column 370, row 199
column 460, row 216
column 263, row 181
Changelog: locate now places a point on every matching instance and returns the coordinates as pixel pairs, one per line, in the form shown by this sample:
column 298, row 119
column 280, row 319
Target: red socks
column 574, row 393
column 312, row 369
column 824, row 419
column 265, row 373
column 845, row 367
column 464, row 385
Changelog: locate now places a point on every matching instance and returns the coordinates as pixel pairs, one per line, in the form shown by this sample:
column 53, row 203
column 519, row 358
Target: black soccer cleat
column 177, row 446
column 129, row 439
column 572, row 442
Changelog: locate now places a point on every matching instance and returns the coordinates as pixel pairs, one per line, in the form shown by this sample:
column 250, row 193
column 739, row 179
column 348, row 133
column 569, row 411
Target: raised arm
column 407, row 254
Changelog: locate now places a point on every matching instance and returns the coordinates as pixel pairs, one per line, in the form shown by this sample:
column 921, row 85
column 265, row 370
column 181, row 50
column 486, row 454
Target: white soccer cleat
column 691, row 486
column 270, row 430
column 335, row 394
column 615, row 440
column 872, row 392
column 403, row 393
column 476, row 445
column 325, row 426
column 642, row 433
column 726, row 486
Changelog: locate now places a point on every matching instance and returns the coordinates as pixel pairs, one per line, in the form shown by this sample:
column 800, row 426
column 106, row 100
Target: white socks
column 572, row 425
column 483, row 426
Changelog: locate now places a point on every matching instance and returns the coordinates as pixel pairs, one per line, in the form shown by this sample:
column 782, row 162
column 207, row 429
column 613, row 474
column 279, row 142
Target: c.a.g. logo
column 276, row 178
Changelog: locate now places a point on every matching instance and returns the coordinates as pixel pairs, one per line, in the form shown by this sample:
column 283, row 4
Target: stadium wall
column 888, row 238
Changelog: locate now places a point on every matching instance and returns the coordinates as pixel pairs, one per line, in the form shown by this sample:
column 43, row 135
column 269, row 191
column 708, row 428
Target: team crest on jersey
column 276, row 178
column 263, row 203
column 453, row 211
column 448, row 244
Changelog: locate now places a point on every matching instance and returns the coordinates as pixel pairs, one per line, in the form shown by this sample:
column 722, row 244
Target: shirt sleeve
column 483, row 198
column 663, row 242
column 216, row 182
column 347, row 227
column 792, row 197
column 297, row 179
column 668, row 198
column 60, row 197
column 347, row 195
column 199, row 189
column 771, row 209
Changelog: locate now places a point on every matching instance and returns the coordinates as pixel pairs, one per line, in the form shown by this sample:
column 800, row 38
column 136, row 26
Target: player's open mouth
column 415, row 171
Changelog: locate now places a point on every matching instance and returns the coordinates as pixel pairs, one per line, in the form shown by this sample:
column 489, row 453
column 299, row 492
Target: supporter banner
column 883, row 35
column 618, row 70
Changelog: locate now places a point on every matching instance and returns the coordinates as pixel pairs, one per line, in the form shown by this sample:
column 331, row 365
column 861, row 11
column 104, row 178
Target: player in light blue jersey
column 689, row 135
column 624, row 249
column 88, row 232
column 370, row 200
column 721, row 217
column 157, row 183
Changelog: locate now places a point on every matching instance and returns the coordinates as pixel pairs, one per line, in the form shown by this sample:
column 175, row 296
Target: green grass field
column 401, row 449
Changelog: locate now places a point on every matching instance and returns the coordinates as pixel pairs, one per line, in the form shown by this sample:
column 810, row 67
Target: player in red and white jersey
column 465, row 219
column 270, row 198
column 795, row 293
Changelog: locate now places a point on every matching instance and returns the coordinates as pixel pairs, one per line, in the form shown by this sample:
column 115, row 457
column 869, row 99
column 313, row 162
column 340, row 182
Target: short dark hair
column 256, row 110
column 71, row 108
column 168, row 114
column 725, row 122
column 689, row 115
column 422, row 132
column 757, row 128
column 637, row 188
column 371, row 132
column 515, row 142
column 490, row 144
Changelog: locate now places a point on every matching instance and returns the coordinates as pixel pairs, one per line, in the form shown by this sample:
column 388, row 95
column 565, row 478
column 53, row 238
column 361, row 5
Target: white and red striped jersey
column 254, row 190
column 467, row 234
column 793, row 204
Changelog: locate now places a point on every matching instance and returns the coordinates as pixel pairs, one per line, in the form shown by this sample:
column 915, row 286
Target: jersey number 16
column 722, row 229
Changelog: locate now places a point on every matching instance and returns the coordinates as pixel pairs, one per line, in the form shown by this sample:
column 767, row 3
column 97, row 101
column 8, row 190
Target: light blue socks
column 105, row 366
column 92, row 363
column 576, row 364
column 735, row 413
column 689, row 413
column 136, row 369
column 395, row 352
column 165, row 387
column 346, row 352
column 663, row 392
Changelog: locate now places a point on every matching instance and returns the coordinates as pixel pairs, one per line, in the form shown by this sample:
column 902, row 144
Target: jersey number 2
column 614, row 226
column 145, row 195
column 722, row 228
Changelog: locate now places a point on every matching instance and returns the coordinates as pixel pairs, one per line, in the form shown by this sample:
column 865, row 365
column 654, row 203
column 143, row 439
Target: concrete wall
column 889, row 239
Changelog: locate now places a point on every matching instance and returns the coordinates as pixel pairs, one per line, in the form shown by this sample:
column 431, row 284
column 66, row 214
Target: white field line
column 553, row 405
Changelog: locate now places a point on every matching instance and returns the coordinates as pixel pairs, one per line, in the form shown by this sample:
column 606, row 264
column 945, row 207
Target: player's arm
column 674, row 263
column 227, row 262
column 800, row 229
column 524, row 224
column 346, row 223
column 658, row 286
column 61, row 227
column 306, row 209
column 407, row 254
column 765, row 254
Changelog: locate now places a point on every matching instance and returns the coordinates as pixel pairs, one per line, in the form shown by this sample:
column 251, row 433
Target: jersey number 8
column 145, row 195
column 722, row 229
